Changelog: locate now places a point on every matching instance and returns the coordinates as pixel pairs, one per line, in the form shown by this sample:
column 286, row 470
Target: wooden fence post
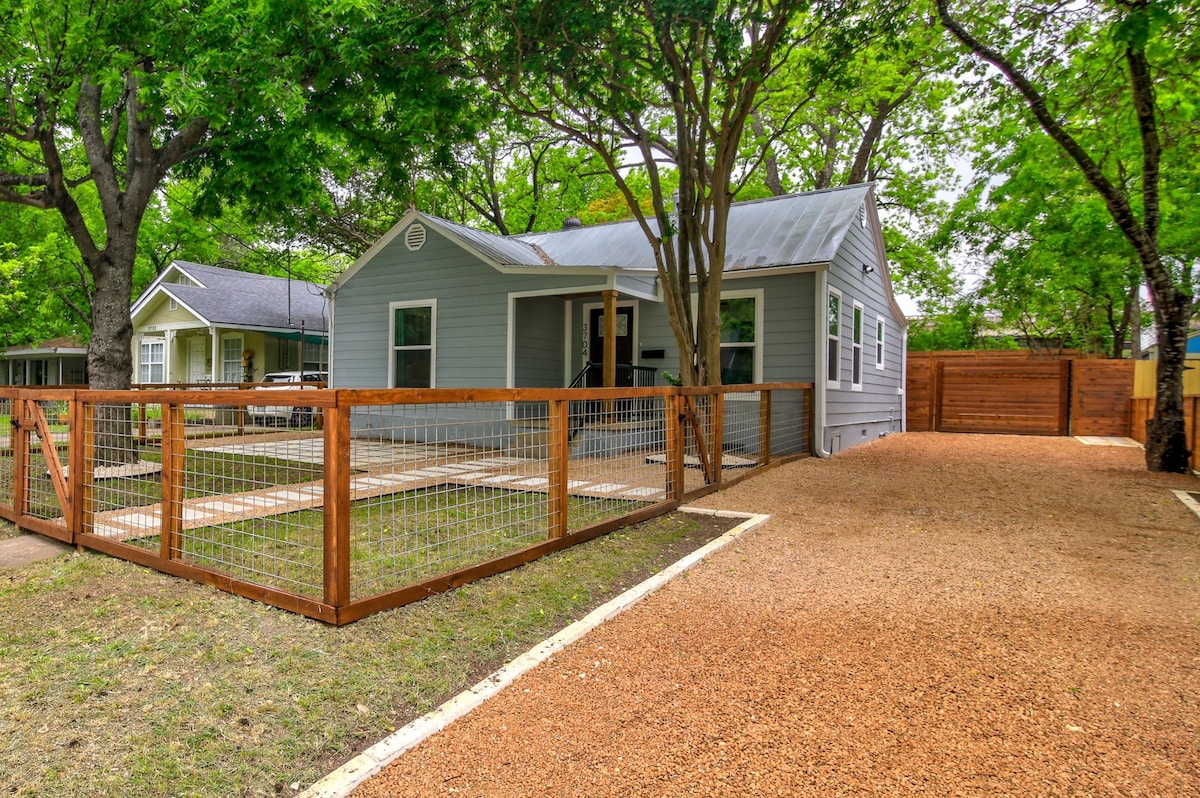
column 764, row 427
column 559, row 453
column 174, row 462
column 938, row 373
column 337, row 504
column 718, row 434
column 20, row 444
column 673, row 420
column 83, row 461
column 1064, row 397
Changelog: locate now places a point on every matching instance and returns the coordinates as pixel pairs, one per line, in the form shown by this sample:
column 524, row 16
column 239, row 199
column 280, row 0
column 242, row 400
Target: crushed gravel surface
column 924, row 615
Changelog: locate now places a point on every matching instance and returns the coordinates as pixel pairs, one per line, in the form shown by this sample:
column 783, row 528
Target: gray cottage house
column 198, row 323
column 806, row 297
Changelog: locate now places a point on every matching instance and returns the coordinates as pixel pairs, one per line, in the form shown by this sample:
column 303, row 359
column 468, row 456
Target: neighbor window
column 879, row 342
column 833, row 359
column 414, row 326
column 231, row 359
column 856, row 357
column 151, row 361
column 315, row 358
column 739, row 338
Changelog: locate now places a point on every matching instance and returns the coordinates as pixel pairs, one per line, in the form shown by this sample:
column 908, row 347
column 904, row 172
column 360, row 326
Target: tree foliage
column 256, row 103
column 1111, row 84
column 669, row 102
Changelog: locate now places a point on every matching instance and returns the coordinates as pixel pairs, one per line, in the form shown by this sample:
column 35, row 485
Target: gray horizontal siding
column 540, row 348
column 472, row 313
column 856, row 416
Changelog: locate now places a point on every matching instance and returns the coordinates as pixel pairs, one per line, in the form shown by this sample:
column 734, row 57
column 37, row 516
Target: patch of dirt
column 924, row 614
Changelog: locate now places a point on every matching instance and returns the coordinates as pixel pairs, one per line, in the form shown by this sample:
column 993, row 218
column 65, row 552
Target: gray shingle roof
column 241, row 299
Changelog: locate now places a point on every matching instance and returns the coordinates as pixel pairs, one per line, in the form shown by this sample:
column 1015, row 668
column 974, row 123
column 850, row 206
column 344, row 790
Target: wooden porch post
column 610, row 339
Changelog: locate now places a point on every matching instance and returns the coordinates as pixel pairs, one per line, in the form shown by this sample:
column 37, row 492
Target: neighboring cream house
column 205, row 324
column 60, row 361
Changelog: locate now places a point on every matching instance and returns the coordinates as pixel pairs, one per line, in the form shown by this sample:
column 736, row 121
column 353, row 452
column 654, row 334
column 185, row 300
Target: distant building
column 59, row 361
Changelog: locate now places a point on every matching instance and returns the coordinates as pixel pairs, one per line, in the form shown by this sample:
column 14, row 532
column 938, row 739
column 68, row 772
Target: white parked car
column 287, row 414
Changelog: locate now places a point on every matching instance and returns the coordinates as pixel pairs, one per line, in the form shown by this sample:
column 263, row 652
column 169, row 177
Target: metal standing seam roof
column 792, row 230
column 243, row 299
column 501, row 250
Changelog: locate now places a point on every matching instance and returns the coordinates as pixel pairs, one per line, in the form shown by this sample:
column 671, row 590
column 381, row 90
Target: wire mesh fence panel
column 122, row 473
column 437, row 487
column 617, row 458
column 699, row 422
column 789, row 422
column 251, row 506
column 742, row 431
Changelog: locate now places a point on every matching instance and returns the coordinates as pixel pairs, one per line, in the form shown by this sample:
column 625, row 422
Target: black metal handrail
column 639, row 376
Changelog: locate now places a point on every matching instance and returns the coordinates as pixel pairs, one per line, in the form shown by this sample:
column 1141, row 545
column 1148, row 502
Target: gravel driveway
column 925, row 614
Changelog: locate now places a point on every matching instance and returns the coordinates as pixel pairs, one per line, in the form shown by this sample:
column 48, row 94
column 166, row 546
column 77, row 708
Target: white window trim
column 241, row 339
column 757, row 295
column 146, row 343
column 857, row 327
column 835, row 383
column 392, row 348
column 880, row 343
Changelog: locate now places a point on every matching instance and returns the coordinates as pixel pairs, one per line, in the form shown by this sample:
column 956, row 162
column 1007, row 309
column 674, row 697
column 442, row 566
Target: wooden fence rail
column 394, row 496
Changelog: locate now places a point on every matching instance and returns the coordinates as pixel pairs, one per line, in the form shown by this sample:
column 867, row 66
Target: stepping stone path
column 384, row 475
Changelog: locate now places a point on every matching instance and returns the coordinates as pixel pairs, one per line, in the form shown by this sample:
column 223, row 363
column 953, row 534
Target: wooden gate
column 1101, row 391
column 1019, row 396
column 40, row 491
column 1016, row 398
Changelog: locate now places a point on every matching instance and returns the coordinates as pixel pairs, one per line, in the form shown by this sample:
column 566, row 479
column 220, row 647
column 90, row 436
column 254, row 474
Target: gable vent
column 414, row 237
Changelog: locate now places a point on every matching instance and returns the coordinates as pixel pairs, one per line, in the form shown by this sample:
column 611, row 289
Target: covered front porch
column 588, row 339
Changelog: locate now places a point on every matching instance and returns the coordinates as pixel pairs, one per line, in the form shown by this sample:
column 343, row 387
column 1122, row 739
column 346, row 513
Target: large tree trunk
column 110, row 354
column 1166, row 440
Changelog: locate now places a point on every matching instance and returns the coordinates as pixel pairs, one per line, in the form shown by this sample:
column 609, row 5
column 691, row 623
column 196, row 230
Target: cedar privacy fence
column 1020, row 393
column 380, row 498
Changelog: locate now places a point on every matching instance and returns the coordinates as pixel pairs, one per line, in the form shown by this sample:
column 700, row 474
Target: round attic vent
column 414, row 237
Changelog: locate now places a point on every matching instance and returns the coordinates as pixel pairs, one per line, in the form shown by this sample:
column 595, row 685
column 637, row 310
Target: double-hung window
column 741, row 331
column 856, row 357
column 833, row 323
column 879, row 334
column 232, row 368
column 413, row 338
column 150, row 361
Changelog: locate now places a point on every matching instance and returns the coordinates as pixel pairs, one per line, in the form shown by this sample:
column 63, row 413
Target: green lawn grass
column 116, row 680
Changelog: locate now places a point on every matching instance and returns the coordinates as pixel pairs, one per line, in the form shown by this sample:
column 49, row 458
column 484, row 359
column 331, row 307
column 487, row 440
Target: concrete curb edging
column 1188, row 501
column 344, row 780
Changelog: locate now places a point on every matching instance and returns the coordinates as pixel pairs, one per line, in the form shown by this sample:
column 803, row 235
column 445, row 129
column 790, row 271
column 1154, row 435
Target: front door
column 624, row 346
column 198, row 360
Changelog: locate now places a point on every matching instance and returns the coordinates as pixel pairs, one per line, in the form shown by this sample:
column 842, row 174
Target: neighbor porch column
column 610, row 339
column 215, row 369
